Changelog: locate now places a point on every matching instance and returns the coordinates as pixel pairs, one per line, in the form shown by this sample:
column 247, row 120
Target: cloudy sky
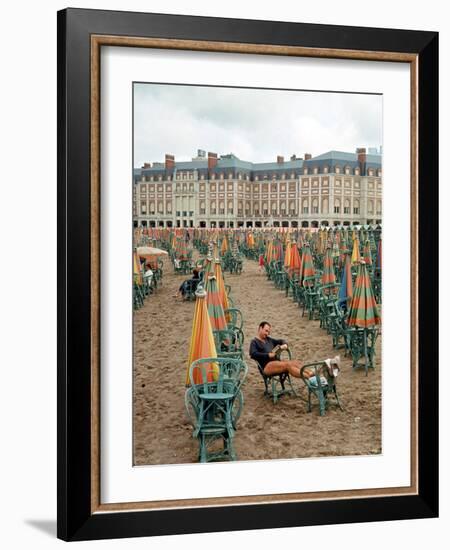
column 256, row 125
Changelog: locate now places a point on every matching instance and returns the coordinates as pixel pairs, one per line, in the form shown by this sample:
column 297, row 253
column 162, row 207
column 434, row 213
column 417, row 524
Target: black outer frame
column 75, row 521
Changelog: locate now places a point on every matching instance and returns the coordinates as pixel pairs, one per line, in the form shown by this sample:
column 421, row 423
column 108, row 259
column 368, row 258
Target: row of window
column 291, row 187
column 274, row 176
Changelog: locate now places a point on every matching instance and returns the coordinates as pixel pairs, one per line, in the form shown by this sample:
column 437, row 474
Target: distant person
column 189, row 284
column 261, row 262
column 148, row 275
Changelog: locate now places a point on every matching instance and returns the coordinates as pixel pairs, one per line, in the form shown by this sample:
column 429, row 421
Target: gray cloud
column 254, row 124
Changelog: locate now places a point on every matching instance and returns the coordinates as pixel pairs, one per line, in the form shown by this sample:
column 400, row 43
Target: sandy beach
column 162, row 330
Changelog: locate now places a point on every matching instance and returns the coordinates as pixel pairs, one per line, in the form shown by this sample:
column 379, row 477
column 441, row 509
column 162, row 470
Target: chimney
column 170, row 162
column 280, row 159
column 146, row 165
column 362, row 159
column 294, row 157
column 212, row 160
column 308, row 156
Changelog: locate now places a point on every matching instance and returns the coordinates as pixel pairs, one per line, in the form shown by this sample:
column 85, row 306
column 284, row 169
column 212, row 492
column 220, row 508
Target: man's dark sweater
column 259, row 350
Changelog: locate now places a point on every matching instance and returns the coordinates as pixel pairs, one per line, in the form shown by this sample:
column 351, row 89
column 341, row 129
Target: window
column 178, row 213
column 143, row 209
column 184, row 213
column 347, row 207
column 355, row 210
column 305, row 210
column 337, row 206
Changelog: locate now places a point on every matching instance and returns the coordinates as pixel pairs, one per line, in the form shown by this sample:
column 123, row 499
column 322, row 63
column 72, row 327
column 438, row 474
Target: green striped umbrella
column 307, row 268
column 328, row 277
column 363, row 312
column 367, row 253
column 214, row 303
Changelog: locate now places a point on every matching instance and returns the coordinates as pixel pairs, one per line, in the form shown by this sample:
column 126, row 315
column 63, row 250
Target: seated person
column 148, row 275
column 190, row 284
column 261, row 351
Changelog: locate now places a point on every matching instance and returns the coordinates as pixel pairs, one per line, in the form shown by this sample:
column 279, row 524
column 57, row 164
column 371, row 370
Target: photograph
column 257, row 273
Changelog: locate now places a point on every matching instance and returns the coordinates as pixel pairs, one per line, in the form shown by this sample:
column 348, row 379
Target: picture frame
column 81, row 35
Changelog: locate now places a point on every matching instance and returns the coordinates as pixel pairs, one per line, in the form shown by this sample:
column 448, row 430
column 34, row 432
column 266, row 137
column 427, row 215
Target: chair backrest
column 214, row 374
column 227, row 340
column 235, row 316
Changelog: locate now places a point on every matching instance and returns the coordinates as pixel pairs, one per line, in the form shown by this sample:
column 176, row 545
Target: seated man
column 261, row 351
column 189, row 284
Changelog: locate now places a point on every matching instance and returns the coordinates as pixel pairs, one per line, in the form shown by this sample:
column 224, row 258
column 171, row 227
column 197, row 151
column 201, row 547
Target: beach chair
column 229, row 343
column 322, row 385
column 360, row 343
column 276, row 385
column 214, row 405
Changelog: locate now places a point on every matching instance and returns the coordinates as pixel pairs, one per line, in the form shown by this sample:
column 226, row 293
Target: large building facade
column 335, row 188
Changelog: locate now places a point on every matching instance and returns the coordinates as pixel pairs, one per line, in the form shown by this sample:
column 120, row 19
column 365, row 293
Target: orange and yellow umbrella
column 202, row 340
column 356, row 257
column 137, row 275
column 295, row 262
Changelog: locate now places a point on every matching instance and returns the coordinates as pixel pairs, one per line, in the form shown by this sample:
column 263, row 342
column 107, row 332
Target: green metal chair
column 276, row 384
column 360, row 343
column 322, row 385
column 229, row 343
column 215, row 404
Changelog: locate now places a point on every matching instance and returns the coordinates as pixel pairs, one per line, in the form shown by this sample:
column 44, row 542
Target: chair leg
column 322, row 402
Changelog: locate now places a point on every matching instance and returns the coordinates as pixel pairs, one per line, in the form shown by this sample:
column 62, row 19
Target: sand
column 162, row 330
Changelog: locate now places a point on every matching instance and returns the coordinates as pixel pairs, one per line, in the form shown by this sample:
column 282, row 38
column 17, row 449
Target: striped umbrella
column 224, row 247
column 287, row 255
column 346, row 288
column 307, row 265
column 221, row 285
column 269, row 252
column 214, row 303
column 295, row 262
column 367, row 253
column 356, row 257
column 202, row 340
column 379, row 262
column 363, row 312
column 328, row 277
column 137, row 275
